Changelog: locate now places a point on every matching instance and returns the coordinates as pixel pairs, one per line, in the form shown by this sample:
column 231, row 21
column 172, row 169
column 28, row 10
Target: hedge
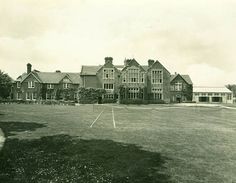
column 141, row 101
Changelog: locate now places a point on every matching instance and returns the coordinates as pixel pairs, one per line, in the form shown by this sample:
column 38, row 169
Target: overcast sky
column 195, row 37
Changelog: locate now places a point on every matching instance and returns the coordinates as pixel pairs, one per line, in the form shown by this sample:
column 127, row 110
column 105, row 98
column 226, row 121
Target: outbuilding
column 212, row 95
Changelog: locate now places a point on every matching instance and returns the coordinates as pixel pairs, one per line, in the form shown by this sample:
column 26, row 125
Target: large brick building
column 130, row 81
column 149, row 82
column 36, row 85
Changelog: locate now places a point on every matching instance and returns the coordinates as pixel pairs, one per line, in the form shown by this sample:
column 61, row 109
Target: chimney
column 126, row 62
column 58, row 71
column 150, row 62
column 108, row 60
column 29, row 66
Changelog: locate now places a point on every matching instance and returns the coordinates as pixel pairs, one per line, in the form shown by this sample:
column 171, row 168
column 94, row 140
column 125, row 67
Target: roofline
column 34, row 77
column 182, row 78
column 149, row 67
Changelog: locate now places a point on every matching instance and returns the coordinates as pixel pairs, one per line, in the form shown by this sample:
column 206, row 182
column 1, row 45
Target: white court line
column 149, row 108
column 169, row 108
column 96, row 119
column 226, row 107
column 113, row 118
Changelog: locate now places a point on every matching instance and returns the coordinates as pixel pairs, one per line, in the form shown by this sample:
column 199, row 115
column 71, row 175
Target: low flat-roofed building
column 212, row 95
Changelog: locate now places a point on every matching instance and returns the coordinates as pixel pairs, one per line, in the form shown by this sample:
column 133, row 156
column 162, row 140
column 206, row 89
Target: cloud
column 67, row 34
column 206, row 75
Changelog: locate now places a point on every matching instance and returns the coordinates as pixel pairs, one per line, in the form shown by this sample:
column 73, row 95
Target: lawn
column 104, row 143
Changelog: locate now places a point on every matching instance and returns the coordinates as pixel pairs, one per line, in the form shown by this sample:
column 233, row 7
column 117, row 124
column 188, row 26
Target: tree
column 232, row 87
column 5, row 85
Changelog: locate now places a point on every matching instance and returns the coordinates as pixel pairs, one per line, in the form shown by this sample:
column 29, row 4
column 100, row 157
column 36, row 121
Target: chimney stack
column 127, row 61
column 29, row 66
column 150, row 62
column 108, row 60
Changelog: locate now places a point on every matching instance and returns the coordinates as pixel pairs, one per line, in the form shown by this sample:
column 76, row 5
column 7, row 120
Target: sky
column 195, row 37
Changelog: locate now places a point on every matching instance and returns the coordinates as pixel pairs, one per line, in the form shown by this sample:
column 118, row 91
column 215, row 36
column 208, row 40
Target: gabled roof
column 56, row 77
column 157, row 62
column 185, row 77
column 89, row 69
column 131, row 62
column 51, row 77
column 211, row 90
column 21, row 77
column 145, row 67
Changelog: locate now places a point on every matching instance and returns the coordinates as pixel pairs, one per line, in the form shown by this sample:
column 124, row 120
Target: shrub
column 141, row 101
column 106, row 101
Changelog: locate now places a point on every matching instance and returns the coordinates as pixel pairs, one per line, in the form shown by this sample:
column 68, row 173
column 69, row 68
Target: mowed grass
column 154, row 143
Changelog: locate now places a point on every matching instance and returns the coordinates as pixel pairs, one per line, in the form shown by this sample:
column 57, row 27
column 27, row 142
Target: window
column 157, row 92
column 142, row 77
column 108, row 73
column 66, row 80
column 108, row 86
column 156, row 76
column 178, row 86
column 157, row 96
column 18, row 96
column 50, row 86
column 123, row 78
column 31, row 84
column 133, row 93
column 18, row 84
column 66, row 85
column 27, row 96
column 229, row 97
column 196, row 94
column 34, row 95
column 48, row 96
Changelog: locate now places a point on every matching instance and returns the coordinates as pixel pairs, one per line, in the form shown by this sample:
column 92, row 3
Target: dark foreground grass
column 62, row 158
column 200, row 143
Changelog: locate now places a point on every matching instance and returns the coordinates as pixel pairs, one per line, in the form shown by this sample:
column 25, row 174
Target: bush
column 141, row 101
column 108, row 101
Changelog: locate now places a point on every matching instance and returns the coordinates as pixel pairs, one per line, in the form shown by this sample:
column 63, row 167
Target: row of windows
column 178, row 87
column 210, row 94
column 28, row 96
column 156, row 76
column 133, row 90
column 133, row 76
column 108, row 86
column 157, row 96
column 33, row 96
column 31, row 84
column 156, row 90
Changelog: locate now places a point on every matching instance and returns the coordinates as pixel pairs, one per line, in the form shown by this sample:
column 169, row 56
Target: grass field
column 105, row 143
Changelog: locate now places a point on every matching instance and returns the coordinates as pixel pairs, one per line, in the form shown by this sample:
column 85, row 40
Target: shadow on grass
column 62, row 158
column 9, row 128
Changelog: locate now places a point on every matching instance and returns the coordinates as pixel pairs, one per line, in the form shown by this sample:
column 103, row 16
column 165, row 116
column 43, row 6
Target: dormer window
column 18, row 84
column 31, row 84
